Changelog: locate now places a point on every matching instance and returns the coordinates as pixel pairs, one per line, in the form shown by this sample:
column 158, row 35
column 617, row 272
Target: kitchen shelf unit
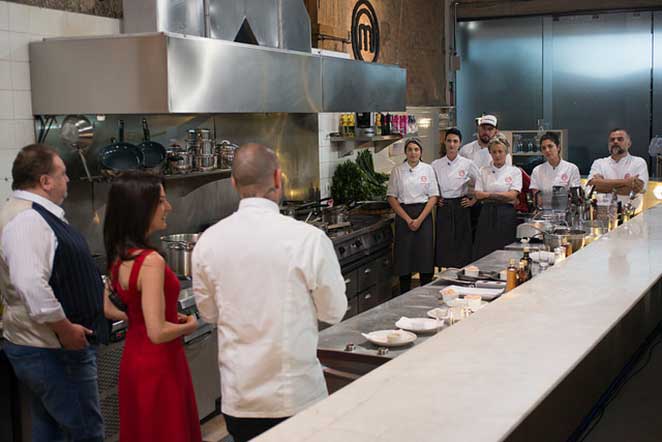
column 345, row 145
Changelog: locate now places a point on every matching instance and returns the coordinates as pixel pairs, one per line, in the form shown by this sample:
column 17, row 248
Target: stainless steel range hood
column 166, row 73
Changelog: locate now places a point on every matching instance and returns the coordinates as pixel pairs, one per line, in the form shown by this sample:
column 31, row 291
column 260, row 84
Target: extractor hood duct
column 164, row 72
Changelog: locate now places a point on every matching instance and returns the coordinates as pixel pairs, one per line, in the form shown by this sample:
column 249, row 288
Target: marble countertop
column 477, row 380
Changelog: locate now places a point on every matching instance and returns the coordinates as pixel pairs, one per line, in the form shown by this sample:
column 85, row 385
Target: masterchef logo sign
column 365, row 32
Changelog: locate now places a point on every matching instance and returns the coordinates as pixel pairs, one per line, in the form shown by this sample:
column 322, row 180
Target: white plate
column 438, row 313
column 420, row 325
column 379, row 338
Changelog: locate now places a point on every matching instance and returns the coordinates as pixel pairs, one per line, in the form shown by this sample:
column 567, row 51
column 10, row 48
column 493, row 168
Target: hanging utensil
column 78, row 133
column 154, row 154
column 121, row 156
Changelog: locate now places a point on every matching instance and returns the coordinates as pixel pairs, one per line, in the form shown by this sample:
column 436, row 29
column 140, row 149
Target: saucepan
column 154, row 154
column 178, row 252
column 120, row 156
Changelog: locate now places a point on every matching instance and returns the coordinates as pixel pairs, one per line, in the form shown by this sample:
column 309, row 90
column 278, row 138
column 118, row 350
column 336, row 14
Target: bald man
column 266, row 279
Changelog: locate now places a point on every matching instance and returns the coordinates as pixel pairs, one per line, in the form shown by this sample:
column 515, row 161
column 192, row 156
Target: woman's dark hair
column 415, row 141
column 31, row 163
column 551, row 136
column 453, row 131
column 132, row 201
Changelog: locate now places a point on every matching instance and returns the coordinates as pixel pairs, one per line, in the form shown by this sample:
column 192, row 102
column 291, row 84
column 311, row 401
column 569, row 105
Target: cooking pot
column 178, row 251
column 558, row 236
column 180, row 161
column 334, row 215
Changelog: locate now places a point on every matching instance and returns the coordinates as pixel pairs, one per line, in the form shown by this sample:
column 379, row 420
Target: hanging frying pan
column 154, row 154
column 121, row 156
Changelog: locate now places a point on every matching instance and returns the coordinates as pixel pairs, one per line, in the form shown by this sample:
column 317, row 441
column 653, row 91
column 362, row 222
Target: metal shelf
column 345, row 145
column 181, row 184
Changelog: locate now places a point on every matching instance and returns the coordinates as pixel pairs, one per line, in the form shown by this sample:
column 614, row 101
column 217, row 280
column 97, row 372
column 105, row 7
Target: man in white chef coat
column 621, row 172
column 477, row 150
column 266, row 279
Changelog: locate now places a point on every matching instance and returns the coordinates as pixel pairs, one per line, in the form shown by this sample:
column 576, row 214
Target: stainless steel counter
column 412, row 304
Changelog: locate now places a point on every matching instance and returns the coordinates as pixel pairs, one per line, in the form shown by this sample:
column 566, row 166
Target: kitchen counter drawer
column 369, row 298
column 367, row 275
column 351, row 283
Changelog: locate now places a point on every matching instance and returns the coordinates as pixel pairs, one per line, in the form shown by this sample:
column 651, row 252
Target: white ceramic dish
column 380, row 338
column 461, row 302
column 420, row 325
column 440, row 313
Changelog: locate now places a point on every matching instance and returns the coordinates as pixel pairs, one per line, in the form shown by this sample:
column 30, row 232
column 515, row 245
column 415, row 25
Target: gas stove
column 367, row 235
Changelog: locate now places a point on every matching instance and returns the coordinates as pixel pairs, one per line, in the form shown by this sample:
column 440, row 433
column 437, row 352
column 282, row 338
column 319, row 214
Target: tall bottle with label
column 511, row 276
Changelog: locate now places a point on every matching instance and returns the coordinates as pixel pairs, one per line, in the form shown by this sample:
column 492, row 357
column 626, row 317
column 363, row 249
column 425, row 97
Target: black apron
column 496, row 228
column 454, row 239
column 414, row 251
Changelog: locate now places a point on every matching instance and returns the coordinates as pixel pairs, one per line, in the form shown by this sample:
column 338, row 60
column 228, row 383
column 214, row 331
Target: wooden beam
column 477, row 9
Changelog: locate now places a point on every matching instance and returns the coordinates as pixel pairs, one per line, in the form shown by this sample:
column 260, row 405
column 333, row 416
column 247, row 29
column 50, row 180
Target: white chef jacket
column 454, row 176
column 265, row 279
column 412, row 185
column 544, row 177
column 479, row 155
column 499, row 179
column 626, row 167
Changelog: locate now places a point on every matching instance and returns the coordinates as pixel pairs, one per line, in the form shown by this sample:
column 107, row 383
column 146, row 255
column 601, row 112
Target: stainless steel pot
column 204, row 163
column 558, row 236
column 178, row 251
column 180, row 161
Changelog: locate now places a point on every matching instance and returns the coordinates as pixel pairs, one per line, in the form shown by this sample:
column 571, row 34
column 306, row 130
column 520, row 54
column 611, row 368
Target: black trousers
column 243, row 429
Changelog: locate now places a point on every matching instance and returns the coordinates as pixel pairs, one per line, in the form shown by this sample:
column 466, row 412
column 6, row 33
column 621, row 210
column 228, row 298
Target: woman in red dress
column 156, row 397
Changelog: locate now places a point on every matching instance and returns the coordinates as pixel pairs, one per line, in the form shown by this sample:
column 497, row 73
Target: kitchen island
column 529, row 366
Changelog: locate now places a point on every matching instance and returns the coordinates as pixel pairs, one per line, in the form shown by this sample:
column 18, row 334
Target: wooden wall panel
column 412, row 36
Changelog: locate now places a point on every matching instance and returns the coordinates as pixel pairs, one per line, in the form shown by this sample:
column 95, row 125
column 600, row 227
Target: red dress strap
column 135, row 270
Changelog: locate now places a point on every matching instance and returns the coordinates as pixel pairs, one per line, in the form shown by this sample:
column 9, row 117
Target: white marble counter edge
column 463, row 384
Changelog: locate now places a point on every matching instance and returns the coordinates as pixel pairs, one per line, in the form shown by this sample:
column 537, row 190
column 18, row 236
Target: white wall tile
column 5, row 46
column 4, row 16
column 46, row 21
column 19, row 17
column 106, row 26
column 24, row 132
column 19, row 46
column 6, row 105
column 75, row 24
column 20, row 76
column 7, row 138
column 6, row 162
column 22, row 105
column 5, row 75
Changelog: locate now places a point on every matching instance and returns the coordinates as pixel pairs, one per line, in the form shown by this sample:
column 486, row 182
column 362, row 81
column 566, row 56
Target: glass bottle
column 522, row 274
column 511, row 276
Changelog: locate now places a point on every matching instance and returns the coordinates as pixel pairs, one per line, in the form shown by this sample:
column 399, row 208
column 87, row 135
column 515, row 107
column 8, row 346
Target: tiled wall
column 19, row 25
column 329, row 158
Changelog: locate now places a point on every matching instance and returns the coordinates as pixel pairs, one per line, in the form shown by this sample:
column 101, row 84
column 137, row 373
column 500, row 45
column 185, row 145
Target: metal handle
column 368, row 270
column 368, row 296
column 348, row 280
